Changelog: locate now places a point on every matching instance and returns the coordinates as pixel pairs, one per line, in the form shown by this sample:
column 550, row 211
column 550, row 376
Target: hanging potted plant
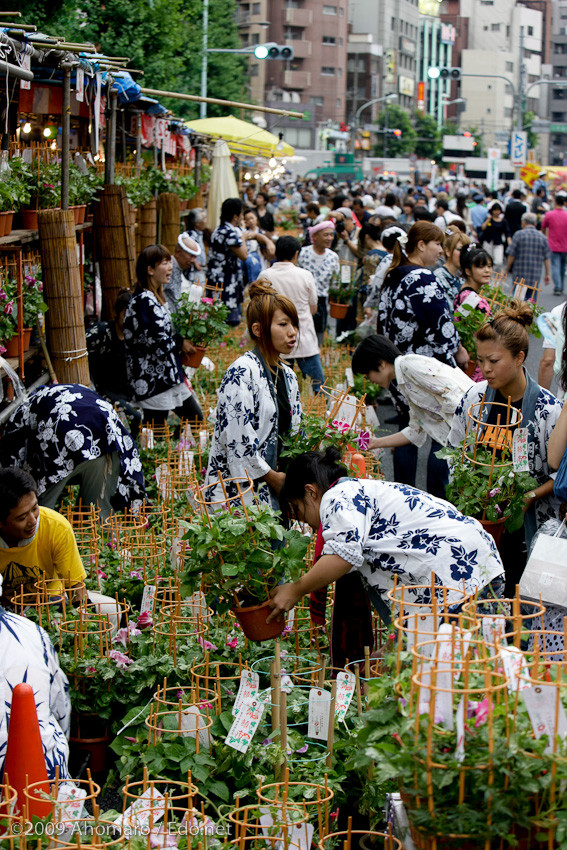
column 33, row 305
column 235, row 554
column 491, row 492
column 340, row 295
column 202, row 322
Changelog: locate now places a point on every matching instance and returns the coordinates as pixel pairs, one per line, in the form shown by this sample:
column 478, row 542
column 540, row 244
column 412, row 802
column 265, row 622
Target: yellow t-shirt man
column 51, row 553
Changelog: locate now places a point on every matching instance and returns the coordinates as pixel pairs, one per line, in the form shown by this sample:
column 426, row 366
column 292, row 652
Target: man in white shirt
column 299, row 286
column 444, row 216
column 324, row 265
column 553, row 344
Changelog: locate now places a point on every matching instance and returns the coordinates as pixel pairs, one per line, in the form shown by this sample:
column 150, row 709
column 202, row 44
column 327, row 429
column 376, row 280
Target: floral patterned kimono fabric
column 246, row 428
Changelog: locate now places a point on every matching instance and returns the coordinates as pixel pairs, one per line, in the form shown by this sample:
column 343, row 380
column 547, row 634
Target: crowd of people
column 415, row 256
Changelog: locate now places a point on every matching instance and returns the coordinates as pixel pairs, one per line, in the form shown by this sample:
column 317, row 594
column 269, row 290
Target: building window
column 393, row 24
column 495, row 27
column 509, row 66
column 255, row 38
column 558, row 139
column 340, row 72
column 329, row 39
column 558, row 116
column 559, row 94
column 507, row 112
column 315, row 100
column 341, row 12
column 327, row 71
column 340, row 41
column 530, row 30
column 486, row 26
column 255, row 8
column 338, row 103
column 329, row 10
column 487, row 2
column 507, row 32
column 254, row 70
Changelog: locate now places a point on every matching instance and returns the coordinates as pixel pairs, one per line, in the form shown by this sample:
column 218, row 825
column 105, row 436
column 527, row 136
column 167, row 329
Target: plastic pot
column 494, row 528
column 338, row 311
column 194, row 359
column 29, row 219
column 253, row 622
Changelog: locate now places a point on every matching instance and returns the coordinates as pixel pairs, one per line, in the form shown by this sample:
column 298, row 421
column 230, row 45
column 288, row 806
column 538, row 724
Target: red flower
column 9, row 308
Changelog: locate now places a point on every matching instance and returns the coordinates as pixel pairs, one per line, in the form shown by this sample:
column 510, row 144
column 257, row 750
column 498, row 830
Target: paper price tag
column 26, row 65
column 248, row 689
column 202, row 440
column 541, row 702
column 471, row 301
column 148, row 599
column 190, row 723
column 72, row 799
column 137, row 816
column 319, row 709
column 345, row 691
column 520, row 450
column 245, row 725
column 164, row 480
column 349, row 375
column 421, row 628
column 346, row 274
column 514, row 667
column 186, row 459
column 80, row 85
column 298, row 835
column 147, row 438
column 494, row 629
column 444, row 656
column 286, row 683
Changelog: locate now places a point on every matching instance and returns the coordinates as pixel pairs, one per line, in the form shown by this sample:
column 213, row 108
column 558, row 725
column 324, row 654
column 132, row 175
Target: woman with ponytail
column 502, row 347
column 258, row 399
column 382, row 531
column 413, row 311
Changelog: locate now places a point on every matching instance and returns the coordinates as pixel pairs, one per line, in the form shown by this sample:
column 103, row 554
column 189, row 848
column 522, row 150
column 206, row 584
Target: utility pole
column 520, row 92
column 203, row 105
column 386, row 133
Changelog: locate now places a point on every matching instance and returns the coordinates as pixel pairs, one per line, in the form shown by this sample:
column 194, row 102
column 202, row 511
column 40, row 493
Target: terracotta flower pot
column 471, row 368
column 27, row 338
column 494, row 528
column 97, row 747
column 29, row 219
column 11, row 346
column 194, row 359
column 3, row 223
column 253, row 622
column 79, row 211
column 338, row 311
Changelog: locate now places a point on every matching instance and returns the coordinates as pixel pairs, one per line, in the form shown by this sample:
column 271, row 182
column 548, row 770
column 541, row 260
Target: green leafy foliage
column 316, row 434
column 202, row 322
column 468, row 320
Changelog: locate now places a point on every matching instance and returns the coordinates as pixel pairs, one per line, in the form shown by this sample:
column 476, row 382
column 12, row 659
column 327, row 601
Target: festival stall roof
column 242, row 137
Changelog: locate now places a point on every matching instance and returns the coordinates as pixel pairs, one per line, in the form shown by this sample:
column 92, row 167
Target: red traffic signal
column 397, row 132
column 467, row 135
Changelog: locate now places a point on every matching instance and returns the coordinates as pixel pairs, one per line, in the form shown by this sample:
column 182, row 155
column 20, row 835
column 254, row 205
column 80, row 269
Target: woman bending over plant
column 383, row 530
column 502, row 346
column 258, row 399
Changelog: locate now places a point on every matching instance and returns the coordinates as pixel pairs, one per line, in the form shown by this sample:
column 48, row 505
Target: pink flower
column 3, row 296
column 233, row 642
column 91, row 670
column 179, row 694
column 481, row 713
column 133, row 630
column 132, row 740
column 101, row 574
column 135, row 574
column 494, row 492
column 9, row 308
column 207, row 300
column 302, row 749
column 122, row 661
column 223, row 345
column 206, row 644
column 122, row 637
column 144, row 621
column 498, row 509
column 40, row 287
column 363, row 441
column 2, row 350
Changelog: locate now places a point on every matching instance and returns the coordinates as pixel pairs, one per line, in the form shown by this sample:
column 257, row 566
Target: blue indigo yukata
column 223, row 266
column 62, row 426
column 27, row 655
column 246, row 428
column 386, row 530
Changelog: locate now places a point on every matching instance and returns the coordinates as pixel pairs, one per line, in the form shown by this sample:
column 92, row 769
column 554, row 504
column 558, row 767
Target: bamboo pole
column 169, row 205
column 198, row 99
column 64, row 296
column 115, row 245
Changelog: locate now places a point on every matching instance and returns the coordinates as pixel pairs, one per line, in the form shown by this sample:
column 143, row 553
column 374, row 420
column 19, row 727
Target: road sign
column 558, row 128
column 413, row 157
column 519, row 148
column 540, row 125
column 493, row 171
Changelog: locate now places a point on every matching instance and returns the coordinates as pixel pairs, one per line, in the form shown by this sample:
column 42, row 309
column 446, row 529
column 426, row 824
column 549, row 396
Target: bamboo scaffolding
column 198, row 99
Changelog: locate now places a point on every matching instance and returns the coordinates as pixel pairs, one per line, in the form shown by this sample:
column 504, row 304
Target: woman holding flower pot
column 502, row 346
column 153, row 352
column 258, row 399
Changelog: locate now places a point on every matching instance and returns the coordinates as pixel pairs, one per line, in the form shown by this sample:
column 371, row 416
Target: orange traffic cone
column 25, row 762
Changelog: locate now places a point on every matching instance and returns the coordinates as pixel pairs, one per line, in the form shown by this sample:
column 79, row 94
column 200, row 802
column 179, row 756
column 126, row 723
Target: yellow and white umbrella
column 223, row 183
column 242, row 137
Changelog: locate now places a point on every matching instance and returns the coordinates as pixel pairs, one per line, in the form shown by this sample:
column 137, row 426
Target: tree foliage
column 393, row 117
column 161, row 37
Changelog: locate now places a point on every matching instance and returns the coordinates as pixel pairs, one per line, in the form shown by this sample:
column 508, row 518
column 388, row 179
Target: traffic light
column 271, row 50
column 444, row 73
column 467, row 135
column 397, row 132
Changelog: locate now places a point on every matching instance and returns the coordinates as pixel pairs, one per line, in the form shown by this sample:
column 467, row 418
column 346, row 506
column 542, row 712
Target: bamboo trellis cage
column 115, row 245
column 169, row 209
column 64, row 296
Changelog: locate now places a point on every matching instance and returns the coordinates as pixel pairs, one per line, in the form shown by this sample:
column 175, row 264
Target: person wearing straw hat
column 27, row 655
column 323, row 264
column 186, row 252
column 383, row 531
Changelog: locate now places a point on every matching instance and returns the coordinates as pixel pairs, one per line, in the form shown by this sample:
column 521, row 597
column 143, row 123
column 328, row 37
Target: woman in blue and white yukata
column 258, row 401
column 383, row 530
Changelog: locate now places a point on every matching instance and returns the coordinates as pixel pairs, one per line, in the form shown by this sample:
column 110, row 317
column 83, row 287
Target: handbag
column 545, row 575
column 560, row 483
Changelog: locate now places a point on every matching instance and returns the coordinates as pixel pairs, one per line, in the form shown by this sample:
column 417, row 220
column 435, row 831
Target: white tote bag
column 546, row 571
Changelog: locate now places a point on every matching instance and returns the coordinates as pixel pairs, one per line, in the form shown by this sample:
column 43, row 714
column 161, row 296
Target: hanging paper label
column 148, row 599
column 149, row 805
column 191, row 723
column 195, row 293
column 186, row 459
column 319, row 709
column 444, row 682
column 245, row 725
column 421, row 627
column 460, row 750
column 346, row 273
column 544, row 705
column 26, row 65
column 286, row 683
column 349, row 375
column 494, row 629
column 203, row 439
column 293, row 835
column 515, row 667
column 290, row 620
column 471, row 301
column 147, row 438
column 345, row 689
column 520, row 450
column 249, row 686
column 80, row 85
column 164, row 480
column 71, row 798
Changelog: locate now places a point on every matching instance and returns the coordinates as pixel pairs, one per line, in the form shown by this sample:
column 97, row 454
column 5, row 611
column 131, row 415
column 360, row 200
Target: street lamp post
column 386, row 97
column 444, row 103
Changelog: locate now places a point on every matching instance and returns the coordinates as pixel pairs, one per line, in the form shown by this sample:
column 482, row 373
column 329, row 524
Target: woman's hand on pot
column 284, row 598
column 187, row 347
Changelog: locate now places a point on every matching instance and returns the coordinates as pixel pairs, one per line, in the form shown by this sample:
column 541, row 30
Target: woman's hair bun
column 259, row 288
column 518, row 311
